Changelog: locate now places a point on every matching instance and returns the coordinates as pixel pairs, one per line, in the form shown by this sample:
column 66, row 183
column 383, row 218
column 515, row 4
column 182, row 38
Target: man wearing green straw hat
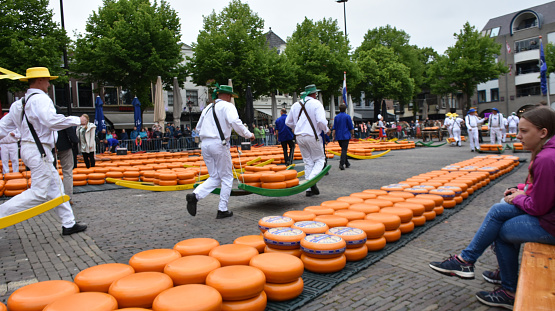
column 307, row 119
column 40, row 115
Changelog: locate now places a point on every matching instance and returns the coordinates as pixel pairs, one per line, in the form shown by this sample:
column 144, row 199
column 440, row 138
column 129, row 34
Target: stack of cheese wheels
column 391, row 222
column 99, row 278
column 417, row 209
column 153, row 260
column 271, row 180
column 241, row 286
column 356, row 242
column 429, row 206
column 300, row 215
column 188, row 297
column 284, row 238
column 283, row 275
column 81, row 179
column 191, row 269
column 323, row 253
column 185, row 177
column 36, row 296
column 233, row 254
column 291, row 179
column 147, row 176
column 374, row 230
column 251, row 179
column 274, row 222
column 196, row 246
column 138, row 290
column 256, row 241
column 463, row 186
column 311, row 227
column 131, row 175
column 447, row 195
column 168, row 178
column 16, row 186
column 406, row 215
column 96, row 178
column 458, row 192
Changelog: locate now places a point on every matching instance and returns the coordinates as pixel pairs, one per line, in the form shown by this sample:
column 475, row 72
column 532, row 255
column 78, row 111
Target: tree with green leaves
column 471, row 61
column 319, row 54
column 29, row 38
column 384, row 76
column 549, row 57
column 232, row 45
column 130, row 43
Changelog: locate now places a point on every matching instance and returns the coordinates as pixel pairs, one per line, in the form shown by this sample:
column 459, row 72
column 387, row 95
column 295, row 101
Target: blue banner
column 99, row 115
column 543, row 70
column 137, row 112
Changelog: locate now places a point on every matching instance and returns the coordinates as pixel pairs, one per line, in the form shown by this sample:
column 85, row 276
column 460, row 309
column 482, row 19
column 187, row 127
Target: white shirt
column 300, row 125
column 9, row 139
column 457, row 123
column 496, row 120
column 513, row 120
column 228, row 118
column 41, row 113
column 473, row 121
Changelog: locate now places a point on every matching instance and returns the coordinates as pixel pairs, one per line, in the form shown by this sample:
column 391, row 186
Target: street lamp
column 67, row 91
column 344, row 14
column 190, row 106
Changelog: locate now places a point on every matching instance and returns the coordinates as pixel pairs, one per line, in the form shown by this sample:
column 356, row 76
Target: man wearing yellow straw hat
column 36, row 112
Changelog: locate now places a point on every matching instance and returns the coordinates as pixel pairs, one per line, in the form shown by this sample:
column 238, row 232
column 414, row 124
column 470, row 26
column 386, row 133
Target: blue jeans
column 507, row 226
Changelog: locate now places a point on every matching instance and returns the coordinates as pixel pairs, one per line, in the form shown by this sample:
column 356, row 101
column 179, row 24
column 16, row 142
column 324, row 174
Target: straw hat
column 37, row 72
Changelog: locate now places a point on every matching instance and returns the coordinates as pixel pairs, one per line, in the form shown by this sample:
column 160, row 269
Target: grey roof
column 547, row 10
column 274, row 40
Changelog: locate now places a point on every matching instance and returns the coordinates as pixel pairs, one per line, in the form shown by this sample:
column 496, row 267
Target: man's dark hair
column 283, row 110
column 342, row 107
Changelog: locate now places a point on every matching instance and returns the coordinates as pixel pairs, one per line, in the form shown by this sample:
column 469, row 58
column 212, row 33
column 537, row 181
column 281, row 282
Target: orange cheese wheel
column 272, row 178
column 417, row 209
column 163, row 182
column 254, row 184
column 404, row 213
column 134, row 174
column 324, row 265
column 99, row 278
column 191, row 269
column 419, row 221
column 90, row 301
column 332, row 220
column 278, row 168
column 356, row 254
column 406, row 227
column 444, row 193
column 79, row 182
column 431, row 215
column 336, row 205
column 350, row 214
column 392, row 236
column 365, row 208
column 319, row 210
column 183, row 181
column 354, row 237
column 378, row 202
column 449, row 203
column 300, row 215
column 139, row 289
column 363, row 195
column 391, row 198
column 131, row 178
column 111, row 174
column 16, row 175
column 278, row 268
column 282, row 292
column 292, row 182
column 233, row 254
column 436, row 198
column 185, row 175
column 151, row 174
column 3, row 307
column 96, row 181
column 273, row 222
column 289, row 174
column 188, row 297
column 323, row 246
column 350, row 200
column 374, row 245
column 415, row 191
column 375, row 191
column 283, row 237
column 401, row 194
column 16, row 184
column 36, row 296
column 294, row 252
column 373, row 229
column 427, row 203
column 256, row 241
column 311, row 227
column 257, row 303
column 153, row 260
column 391, row 222
column 461, row 185
column 438, row 210
column 196, row 246
column 237, row 282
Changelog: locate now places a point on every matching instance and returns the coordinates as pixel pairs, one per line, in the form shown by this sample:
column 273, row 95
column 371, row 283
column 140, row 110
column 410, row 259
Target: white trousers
column 46, row 185
column 218, row 162
column 312, row 151
column 9, row 152
column 513, row 129
column 450, row 131
column 495, row 135
column 473, row 138
column 503, row 133
column 457, row 136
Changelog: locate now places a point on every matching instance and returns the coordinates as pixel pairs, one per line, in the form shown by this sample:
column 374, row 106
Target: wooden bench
column 536, row 281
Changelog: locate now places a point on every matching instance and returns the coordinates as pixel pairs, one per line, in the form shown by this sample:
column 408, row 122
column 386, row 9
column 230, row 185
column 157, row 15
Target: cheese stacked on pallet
column 242, row 287
column 323, row 253
column 283, row 275
column 374, row 230
column 355, row 239
column 391, row 222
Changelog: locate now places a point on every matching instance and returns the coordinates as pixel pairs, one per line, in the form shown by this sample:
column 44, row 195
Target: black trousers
column 344, row 144
column 88, row 157
column 288, row 158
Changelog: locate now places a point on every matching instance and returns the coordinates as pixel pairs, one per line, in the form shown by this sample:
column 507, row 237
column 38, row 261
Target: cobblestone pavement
column 126, row 221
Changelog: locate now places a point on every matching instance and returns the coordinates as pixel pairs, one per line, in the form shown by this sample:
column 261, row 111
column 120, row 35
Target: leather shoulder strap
column 303, row 109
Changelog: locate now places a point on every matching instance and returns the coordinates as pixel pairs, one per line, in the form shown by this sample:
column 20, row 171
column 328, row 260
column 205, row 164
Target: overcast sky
column 430, row 23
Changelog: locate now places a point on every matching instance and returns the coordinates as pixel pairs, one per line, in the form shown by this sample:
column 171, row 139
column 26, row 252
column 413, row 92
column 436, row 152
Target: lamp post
column 67, row 92
column 190, row 106
column 344, row 14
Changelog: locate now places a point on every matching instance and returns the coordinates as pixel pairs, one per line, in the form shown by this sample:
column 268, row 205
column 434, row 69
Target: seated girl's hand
column 510, row 191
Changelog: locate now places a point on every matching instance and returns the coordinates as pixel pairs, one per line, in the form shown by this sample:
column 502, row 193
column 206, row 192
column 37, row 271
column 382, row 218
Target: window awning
column 126, row 120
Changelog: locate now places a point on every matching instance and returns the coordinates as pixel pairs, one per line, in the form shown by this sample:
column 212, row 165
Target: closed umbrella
column 137, row 113
column 177, row 104
column 99, row 115
column 159, row 109
column 249, row 108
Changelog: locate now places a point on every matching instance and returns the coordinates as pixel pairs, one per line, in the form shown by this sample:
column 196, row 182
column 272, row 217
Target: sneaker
column 225, row 214
column 454, row 266
column 75, row 229
column 492, row 276
column 191, row 203
column 497, row 298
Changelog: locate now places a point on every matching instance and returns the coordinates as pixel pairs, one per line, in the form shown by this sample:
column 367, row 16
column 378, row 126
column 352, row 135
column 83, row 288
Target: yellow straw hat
column 37, row 72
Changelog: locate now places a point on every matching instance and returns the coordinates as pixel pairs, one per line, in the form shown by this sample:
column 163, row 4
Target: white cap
column 379, row 116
